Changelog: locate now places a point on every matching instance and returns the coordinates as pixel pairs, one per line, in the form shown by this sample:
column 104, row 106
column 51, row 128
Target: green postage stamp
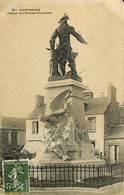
column 16, row 175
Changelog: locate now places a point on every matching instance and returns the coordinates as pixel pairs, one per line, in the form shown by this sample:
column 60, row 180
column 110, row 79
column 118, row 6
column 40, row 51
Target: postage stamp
column 15, row 175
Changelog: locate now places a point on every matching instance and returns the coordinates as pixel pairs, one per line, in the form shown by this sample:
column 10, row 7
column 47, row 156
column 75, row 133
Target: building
column 33, row 125
column 12, row 132
column 114, row 141
column 101, row 114
column 114, row 144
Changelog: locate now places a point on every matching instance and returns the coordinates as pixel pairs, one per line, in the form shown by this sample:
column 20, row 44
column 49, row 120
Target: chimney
column 39, row 101
column 87, row 94
column 112, row 92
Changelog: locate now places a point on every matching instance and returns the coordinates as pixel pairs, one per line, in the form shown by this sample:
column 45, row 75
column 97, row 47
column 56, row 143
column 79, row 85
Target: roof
column 37, row 112
column 116, row 132
column 12, row 123
column 98, row 105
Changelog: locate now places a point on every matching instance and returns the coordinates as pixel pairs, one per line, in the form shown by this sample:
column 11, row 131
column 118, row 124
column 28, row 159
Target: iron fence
column 75, row 175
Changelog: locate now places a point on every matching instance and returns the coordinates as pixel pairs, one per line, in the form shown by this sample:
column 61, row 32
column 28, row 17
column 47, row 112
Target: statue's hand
column 49, row 49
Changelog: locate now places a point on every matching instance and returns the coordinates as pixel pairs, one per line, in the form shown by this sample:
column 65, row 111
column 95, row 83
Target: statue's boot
column 62, row 66
column 72, row 65
column 54, row 68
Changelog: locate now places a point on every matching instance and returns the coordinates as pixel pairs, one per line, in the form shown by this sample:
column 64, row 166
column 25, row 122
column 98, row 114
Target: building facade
column 12, row 132
column 114, row 144
column 101, row 114
column 33, row 141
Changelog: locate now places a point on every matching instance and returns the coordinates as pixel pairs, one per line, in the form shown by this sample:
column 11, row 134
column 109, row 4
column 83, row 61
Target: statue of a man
column 62, row 53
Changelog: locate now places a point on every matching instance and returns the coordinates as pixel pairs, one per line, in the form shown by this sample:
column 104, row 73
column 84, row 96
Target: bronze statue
column 62, row 53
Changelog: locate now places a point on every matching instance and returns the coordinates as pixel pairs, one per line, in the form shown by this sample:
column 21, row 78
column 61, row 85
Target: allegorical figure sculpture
column 62, row 53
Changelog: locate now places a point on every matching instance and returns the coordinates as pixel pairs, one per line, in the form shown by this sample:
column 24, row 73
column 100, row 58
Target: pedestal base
column 65, row 77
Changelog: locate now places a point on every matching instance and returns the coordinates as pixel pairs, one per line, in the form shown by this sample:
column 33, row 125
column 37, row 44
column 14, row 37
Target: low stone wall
column 72, row 162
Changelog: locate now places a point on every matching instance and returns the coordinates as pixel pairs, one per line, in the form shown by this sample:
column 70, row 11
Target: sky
column 24, row 60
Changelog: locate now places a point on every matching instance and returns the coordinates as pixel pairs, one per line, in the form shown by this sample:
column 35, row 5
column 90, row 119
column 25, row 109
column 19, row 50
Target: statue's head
column 63, row 19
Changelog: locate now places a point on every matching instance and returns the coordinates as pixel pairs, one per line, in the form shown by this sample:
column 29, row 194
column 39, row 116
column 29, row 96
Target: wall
column 121, row 108
column 98, row 135
column 112, row 116
column 9, row 125
column 33, row 136
column 21, row 137
column 33, row 142
column 29, row 134
column 119, row 142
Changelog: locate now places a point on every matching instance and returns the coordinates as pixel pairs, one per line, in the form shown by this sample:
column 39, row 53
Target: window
column 35, row 127
column 4, row 137
column 14, row 138
column 93, row 142
column 114, row 153
column 91, row 124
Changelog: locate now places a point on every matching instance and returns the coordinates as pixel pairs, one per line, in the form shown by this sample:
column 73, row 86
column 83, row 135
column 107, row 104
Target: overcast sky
column 24, row 61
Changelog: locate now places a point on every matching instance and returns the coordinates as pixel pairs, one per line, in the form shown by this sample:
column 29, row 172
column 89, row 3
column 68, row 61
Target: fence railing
column 75, row 175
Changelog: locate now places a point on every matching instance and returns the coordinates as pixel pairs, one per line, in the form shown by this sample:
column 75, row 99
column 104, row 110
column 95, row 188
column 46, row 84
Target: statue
column 62, row 53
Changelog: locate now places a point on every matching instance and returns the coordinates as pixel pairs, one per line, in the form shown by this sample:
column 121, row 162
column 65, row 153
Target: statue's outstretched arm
column 77, row 36
column 52, row 40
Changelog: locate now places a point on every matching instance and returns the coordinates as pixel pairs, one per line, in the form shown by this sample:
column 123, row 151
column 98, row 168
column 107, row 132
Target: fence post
column 60, row 175
column 89, row 175
column 73, row 176
column 76, row 169
column 93, row 169
column 50, row 176
column 98, row 177
column 33, row 176
column 41, row 176
column 85, row 176
column 122, row 173
column 68, row 175
column 64, row 175
column 80, row 174
column 46, row 175
column 55, row 175
column 37, row 176
column 111, row 173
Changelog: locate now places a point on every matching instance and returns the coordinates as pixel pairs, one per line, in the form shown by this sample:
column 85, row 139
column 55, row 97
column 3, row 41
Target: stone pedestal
column 76, row 148
column 54, row 88
column 62, row 134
